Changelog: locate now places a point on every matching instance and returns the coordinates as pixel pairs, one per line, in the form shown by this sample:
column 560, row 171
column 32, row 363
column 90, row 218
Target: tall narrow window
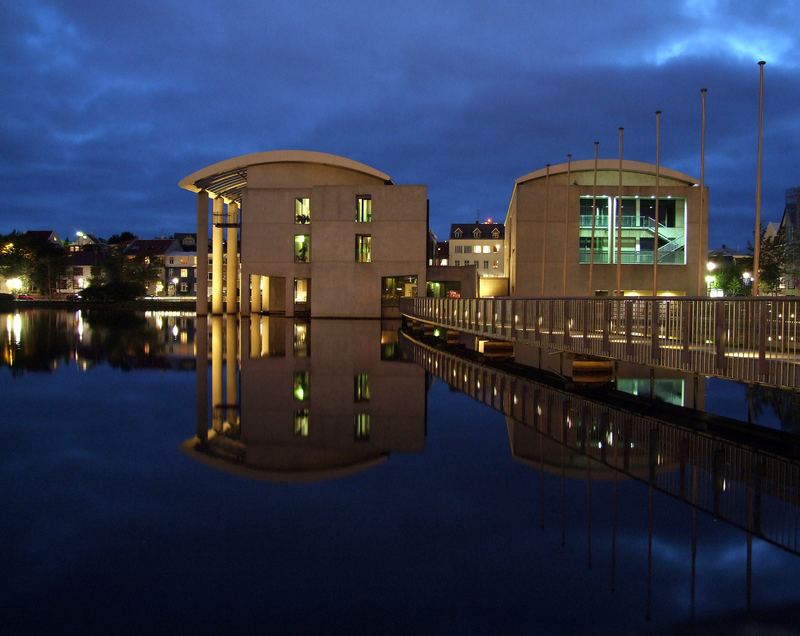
column 361, row 387
column 363, row 248
column 362, row 428
column 302, row 248
column 301, row 290
column 363, row 208
column 302, row 211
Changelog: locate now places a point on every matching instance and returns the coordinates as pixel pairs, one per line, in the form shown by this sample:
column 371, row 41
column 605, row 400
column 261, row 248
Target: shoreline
column 144, row 304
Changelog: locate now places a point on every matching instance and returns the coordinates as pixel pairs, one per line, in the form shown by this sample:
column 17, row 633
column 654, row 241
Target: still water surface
column 332, row 480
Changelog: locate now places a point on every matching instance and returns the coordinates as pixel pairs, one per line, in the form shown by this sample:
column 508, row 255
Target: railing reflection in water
column 757, row 491
column 743, row 339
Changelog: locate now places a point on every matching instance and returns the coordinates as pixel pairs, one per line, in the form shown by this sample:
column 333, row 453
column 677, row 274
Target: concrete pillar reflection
column 254, row 337
column 264, row 328
column 255, row 294
column 216, row 372
column 201, row 374
column 232, row 282
column 216, row 256
column 231, row 368
column 202, row 253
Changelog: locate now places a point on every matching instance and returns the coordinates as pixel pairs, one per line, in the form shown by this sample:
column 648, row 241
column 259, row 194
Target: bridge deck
column 751, row 340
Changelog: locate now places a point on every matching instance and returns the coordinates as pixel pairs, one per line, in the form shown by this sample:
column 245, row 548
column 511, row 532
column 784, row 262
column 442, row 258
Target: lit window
column 486, row 249
column 302, row 248
column 361, row 387
column 300, row 390
column 301, row 290
column 184, row 273
column 495, row 248
column 363, row 248
column 362, row 428
column 301, row 340
column 301, row 423
column 395, row 287
column 184, row 287
column 302, row 211
column 363, row 208
column 495, row 264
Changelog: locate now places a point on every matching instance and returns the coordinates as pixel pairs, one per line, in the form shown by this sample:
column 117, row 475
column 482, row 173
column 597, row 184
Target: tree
column 124, row 237
column 730, row 278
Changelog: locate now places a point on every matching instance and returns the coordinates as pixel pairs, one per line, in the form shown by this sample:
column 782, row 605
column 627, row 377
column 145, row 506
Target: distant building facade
column 478, row 244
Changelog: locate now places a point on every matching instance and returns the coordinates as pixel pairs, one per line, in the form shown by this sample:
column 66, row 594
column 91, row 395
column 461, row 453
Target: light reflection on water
column 511, row 506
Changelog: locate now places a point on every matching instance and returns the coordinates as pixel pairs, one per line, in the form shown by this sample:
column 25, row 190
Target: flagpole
column 566, row 227
column 544, row 233
column 594, row 220
column 619, row 220
column 757, row 248
column 703, row 202
column 658, row 182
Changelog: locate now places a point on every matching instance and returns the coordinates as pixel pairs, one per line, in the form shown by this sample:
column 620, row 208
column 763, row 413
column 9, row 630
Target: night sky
column 106, row 105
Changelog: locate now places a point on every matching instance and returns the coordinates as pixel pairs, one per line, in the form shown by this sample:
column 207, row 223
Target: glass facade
column 301, row 290
column 395, row 287
column 637, row 230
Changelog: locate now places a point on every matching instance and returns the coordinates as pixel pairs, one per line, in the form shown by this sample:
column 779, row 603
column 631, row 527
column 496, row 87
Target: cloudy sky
column 106, row 105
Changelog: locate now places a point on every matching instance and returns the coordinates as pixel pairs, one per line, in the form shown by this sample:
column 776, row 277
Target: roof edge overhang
column 587, row 165
column 233, row 172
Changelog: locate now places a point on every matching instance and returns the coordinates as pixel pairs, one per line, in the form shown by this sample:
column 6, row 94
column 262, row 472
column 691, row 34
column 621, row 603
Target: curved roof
column 229, row 177
column 587, row 165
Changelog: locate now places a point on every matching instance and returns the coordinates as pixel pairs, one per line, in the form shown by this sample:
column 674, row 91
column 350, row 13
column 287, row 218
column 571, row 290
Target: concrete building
column 320, row 234
column 550, row 228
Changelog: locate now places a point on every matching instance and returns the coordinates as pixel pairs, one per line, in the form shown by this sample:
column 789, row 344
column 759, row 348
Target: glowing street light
column 711, row 266
column 14, row 284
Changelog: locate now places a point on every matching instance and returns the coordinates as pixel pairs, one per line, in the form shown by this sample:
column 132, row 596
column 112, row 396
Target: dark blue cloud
column 109, row 104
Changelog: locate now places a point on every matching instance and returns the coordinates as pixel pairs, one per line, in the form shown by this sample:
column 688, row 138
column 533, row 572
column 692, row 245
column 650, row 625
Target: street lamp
column 711, row 266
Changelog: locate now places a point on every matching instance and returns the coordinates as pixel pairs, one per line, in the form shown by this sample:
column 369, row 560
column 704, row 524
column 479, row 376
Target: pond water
column 339, row 476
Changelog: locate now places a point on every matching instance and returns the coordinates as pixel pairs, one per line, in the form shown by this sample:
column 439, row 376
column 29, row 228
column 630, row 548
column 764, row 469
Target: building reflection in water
column 283, row 413
column 753, row 486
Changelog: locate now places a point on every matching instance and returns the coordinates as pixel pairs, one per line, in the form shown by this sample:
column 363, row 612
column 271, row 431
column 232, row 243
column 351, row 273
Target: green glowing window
column 363, row 208
column 302, row 211
column 302, row 248
column 361, row 387
column 362, row 428
column 363, row 248
column 301, row 422
column 300, row 390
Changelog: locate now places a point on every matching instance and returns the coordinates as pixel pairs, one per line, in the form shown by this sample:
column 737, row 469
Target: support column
column 255, row 294
column 217, row 217
column 233, row 259
column 201, row 275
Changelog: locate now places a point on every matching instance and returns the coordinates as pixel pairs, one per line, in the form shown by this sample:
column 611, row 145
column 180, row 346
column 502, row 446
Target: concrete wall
column 529, row 236
column 467, row 277
column 340, row 287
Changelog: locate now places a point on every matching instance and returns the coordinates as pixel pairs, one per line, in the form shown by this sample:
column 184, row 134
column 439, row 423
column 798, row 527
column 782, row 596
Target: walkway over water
column 744, row 339
column 753, row 489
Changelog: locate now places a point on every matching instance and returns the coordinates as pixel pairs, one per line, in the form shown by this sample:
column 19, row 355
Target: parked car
column 25, row 297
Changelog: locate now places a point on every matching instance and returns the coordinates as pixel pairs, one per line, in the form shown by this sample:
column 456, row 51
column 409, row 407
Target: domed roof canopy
column 610, row 165
column 228, row 178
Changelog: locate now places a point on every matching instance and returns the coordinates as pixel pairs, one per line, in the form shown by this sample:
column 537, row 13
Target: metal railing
column 755, row 490
column 743, row 339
